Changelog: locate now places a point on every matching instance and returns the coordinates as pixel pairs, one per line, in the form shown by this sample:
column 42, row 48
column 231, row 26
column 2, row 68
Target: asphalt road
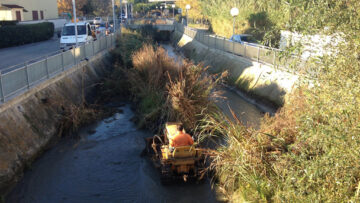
column 17, row 56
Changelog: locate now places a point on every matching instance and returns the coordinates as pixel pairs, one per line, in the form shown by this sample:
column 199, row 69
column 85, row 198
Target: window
column 35, row 15
column 42, row 15
column 70, row 30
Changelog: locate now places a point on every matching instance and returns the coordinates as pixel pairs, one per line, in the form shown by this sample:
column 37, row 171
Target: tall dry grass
column 166, row 90
column 248, row 164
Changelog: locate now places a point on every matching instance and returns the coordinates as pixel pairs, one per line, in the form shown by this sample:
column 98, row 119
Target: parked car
column 105, row 28
column 97, row 20
column 68, row 39
column 244, row 39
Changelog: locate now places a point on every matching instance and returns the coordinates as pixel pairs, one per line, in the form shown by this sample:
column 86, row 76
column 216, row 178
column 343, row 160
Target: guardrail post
column 233, row 46
column 245, row 50
column 100, row 48
column 2, row 89
column 93, row 49
column 74, row 55
column 224, row 44
column 47, row 67
column 62, row 61
column 274, row 59
column 208, row 41
column 215, row 40
column 258, row 54
column 84, row 50
column 106, row 39
column 27, row 75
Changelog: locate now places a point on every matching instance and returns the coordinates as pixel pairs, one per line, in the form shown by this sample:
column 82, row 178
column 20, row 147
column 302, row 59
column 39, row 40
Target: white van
column 68, row 35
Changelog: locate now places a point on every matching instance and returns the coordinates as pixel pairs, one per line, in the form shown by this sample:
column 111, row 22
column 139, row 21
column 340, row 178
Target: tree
column 87, row 8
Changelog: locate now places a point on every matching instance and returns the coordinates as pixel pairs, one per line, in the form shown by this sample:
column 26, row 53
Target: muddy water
column 105, row 165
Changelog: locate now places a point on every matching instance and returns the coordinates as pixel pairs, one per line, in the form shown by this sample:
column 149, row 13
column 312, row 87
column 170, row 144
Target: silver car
column 97, row 20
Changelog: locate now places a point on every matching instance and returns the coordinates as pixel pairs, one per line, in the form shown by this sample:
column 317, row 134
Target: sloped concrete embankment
column 30, row 121
column 257, row 79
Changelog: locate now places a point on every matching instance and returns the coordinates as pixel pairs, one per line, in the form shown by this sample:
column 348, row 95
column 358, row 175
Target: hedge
column 14, row 35
column 8, row 22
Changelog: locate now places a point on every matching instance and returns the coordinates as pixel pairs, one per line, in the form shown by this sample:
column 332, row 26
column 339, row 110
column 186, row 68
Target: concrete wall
column 48, row 6
column 260, row 80
column 31, row 120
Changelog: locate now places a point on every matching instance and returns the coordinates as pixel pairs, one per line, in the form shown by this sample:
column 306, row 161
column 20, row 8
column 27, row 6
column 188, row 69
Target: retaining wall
column 258, row 79
column 29, row 121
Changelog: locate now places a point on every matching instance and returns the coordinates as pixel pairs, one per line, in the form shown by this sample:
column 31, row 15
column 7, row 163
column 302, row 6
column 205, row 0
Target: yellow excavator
column 175, row 163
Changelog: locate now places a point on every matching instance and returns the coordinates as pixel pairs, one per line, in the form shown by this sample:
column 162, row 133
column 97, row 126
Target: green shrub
column 8, row 22
column 14, row 35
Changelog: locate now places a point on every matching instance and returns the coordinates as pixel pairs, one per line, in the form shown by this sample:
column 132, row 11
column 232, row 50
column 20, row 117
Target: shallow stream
column 104, row 164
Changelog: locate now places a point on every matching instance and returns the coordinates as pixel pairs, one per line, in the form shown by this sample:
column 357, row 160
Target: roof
column 4, row 8
column 11, row 6
column 78, row 23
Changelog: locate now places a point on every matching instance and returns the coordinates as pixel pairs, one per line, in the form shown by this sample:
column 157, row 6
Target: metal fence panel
column 79, row 53
column 239, row 49
column 68, row 58
column 89, row 50
column 14, row 81
column 267, row 56
column 37, row 71
column 220, row 43
column 228, row 46
column 212, row 42
column 252, row 52
column 1, row 88
column 108, row 41
column 97, row 46
column 102, row 43
column 54, row 63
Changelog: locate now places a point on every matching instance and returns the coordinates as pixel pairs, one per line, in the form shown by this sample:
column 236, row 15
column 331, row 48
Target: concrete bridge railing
column 16, row 81
column 161, row 24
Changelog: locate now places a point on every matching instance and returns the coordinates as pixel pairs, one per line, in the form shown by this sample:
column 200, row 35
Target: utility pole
column 76, row 30
column 120, row 15
column 114, row 22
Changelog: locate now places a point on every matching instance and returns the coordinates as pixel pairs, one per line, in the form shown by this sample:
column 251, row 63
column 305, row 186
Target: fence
column 254, row 52
column 22, row 78
column 267, row 55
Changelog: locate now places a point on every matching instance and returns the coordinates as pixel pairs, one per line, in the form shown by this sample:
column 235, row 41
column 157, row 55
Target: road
column 20, row 54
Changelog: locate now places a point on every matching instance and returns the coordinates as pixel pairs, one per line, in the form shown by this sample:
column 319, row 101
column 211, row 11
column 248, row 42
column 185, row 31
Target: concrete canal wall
column 258, row 79
column 30, row 121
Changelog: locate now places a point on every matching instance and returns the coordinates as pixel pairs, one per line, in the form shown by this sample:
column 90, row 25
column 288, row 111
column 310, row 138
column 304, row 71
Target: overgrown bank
column 309, row 151
column 162, row 89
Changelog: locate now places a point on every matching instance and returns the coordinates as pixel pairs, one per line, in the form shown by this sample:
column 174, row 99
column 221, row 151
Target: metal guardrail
column 267, row 55
column 20, row 78
column 257, row 53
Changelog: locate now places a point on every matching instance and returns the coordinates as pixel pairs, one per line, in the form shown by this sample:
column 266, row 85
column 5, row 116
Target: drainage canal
column 104, row 165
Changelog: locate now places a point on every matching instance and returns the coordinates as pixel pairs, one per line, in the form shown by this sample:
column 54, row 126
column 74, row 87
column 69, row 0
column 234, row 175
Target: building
column 26, row 10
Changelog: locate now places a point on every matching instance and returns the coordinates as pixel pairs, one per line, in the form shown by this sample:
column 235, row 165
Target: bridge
column 160, row 24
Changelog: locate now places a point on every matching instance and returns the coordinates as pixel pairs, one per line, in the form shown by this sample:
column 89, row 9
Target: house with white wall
column 27, row 10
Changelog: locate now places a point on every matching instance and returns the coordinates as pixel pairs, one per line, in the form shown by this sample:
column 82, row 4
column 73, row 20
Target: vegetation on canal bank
column 307, row 152
column 162, row 89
